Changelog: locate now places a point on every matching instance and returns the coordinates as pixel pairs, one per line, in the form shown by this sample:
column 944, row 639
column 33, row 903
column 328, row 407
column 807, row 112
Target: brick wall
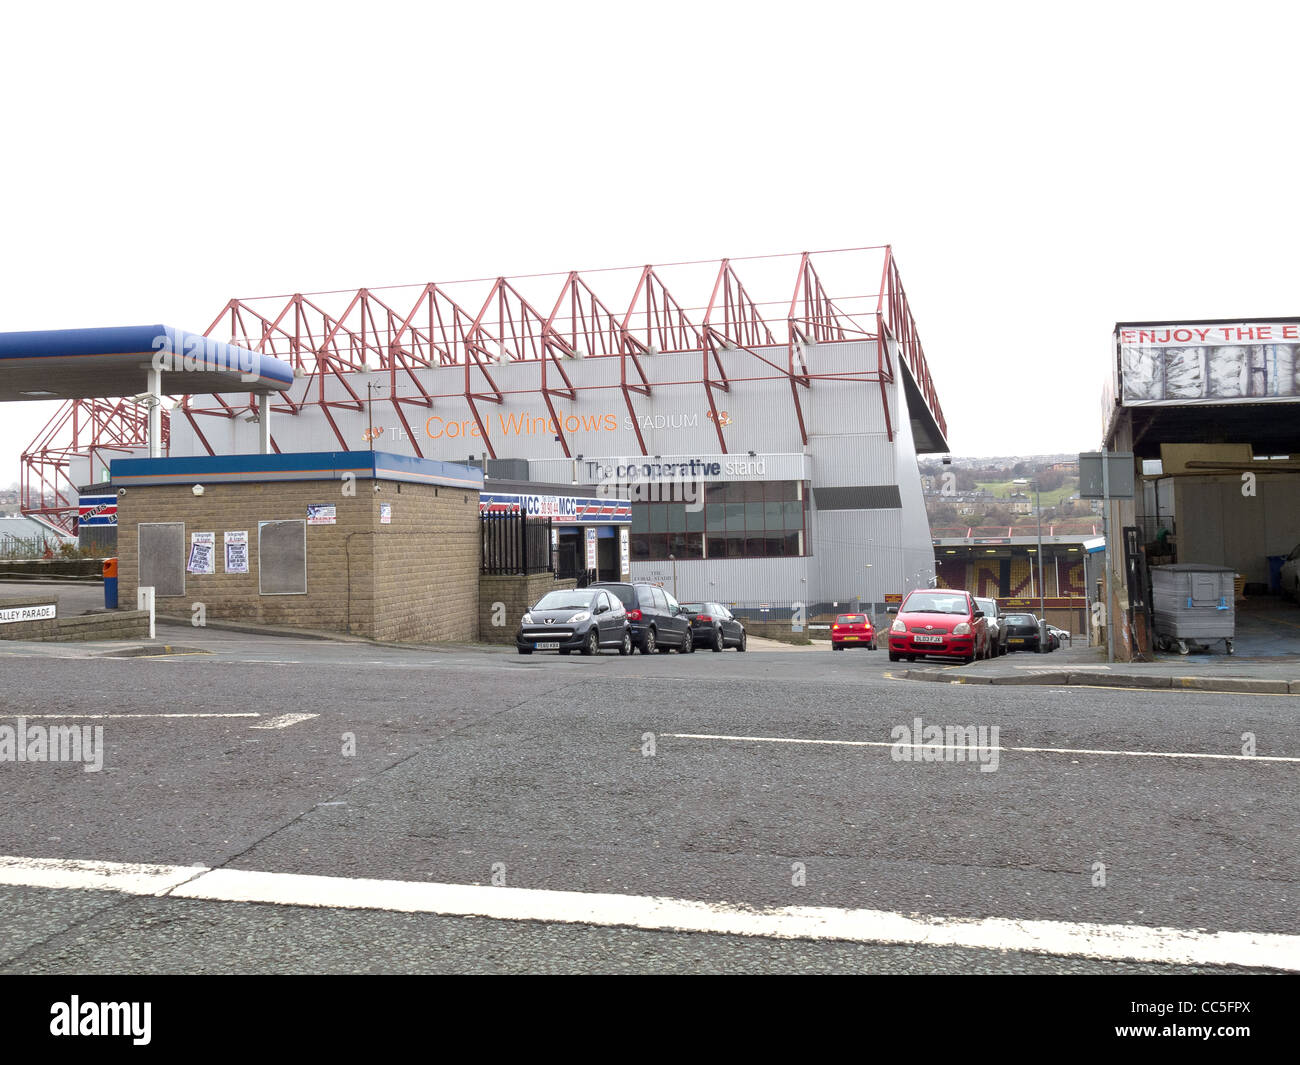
column 426, row 563
column 101, row 625
column 108, row 625
column 517, row 594
column 412, row 580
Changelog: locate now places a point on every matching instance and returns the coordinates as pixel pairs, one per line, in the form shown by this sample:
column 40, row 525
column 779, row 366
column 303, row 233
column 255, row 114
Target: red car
column 938, row 622
column 852, row 630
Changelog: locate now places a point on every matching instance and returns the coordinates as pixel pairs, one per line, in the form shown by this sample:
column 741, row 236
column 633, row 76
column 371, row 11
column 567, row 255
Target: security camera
column 121, row 492
column 947, row 460
column 197, row 489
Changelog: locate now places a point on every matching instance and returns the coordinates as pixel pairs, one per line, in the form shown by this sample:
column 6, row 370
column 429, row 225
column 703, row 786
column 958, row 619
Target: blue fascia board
column 294, row 466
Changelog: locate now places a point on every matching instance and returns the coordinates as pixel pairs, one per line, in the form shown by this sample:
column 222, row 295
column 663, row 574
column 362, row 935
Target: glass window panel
column 695, row 520
column 754, row 517
column 753, row 491
column 717, row 547
column 639, row 545
column 793, row 518
column 735, row 517
column 735, row 546
column 658, row 517
column 717, row 520
column 676, row 517
column 774, row 516
column 640, row 518
column 715, row 493
column 755, row 547
column 694, row 546
column 792, row 543
column 736, row 492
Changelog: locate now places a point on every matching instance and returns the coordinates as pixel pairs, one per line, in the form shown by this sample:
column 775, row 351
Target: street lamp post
column 1042, row 592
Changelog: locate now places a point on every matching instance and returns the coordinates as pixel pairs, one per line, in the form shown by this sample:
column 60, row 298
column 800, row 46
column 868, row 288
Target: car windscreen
column 570, row 599
column 850, row 619
column 695, row 608
column 989, row 607
column 1021, row 619
column 933, row 603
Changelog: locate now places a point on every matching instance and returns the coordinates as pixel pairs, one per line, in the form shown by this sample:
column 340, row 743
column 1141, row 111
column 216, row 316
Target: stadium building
column 764, row 416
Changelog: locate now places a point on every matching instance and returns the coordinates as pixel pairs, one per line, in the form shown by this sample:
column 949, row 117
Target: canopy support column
column 264, row 423
column 155, row 413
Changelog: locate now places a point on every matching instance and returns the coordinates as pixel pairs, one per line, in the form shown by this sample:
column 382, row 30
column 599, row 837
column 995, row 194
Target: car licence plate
column 1015, row 639
column 928, row 639
column 850, row 637
column 549, row 645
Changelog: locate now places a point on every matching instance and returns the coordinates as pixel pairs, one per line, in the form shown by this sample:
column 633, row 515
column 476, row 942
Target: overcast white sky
column 1042, row 171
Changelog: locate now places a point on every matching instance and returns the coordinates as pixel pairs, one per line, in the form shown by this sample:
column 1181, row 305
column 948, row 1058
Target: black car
column 713, row 626
column 657, row 621
column 576, row 619
column 1022, row 631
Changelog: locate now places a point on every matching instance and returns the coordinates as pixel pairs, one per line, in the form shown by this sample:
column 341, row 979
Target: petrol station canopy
column 118, row 361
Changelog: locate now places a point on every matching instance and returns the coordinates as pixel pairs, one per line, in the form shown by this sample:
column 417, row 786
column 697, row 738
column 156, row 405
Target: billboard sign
column 97, row 510
column 1177, row 364
column 567, row 510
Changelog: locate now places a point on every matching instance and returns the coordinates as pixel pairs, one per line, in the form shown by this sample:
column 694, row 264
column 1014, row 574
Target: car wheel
column 893, row 657
column 717, row 640
column 565, row 651
column 871, row 646
column 741, row 646
column 967, row 660
column 911, row 658
column 649, row 646
column 836, row 647
column 591, row 645
column 525, row 650
column 625, row 648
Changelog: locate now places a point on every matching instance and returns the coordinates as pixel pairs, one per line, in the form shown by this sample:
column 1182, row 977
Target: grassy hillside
column 1003, row 489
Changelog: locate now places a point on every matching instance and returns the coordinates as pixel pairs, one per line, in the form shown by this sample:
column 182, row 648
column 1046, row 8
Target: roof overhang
column 927, row 437
column 116, row 361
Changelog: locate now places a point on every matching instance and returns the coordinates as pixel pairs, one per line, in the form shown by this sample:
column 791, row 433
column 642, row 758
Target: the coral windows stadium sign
column 1208, row 362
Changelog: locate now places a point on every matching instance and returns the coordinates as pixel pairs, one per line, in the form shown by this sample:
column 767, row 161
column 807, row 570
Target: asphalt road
column 474, row 763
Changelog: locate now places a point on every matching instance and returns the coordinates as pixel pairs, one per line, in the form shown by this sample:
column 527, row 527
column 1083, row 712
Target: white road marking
column 285, row 720
column 1062, row 938
column 94, row 876
column 124, row 717
column 1029, row 750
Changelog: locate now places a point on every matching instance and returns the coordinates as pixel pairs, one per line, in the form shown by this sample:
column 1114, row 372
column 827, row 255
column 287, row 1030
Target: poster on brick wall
column 202, row 551
column 322, row 514
column 385, row 513
column 236, row 551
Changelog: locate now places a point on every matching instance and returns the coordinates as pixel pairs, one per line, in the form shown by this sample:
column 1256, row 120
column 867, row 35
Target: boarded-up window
column 161, row 557
column 282, row 557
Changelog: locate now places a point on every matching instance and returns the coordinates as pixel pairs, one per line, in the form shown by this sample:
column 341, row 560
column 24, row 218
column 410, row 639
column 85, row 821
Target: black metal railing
column 515, row 544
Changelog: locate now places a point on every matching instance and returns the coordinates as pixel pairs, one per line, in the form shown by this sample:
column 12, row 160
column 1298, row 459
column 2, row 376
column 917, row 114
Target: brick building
column 368, row 543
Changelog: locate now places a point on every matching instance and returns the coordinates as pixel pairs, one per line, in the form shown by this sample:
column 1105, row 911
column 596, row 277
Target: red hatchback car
column 852, row 630
column 939, row 622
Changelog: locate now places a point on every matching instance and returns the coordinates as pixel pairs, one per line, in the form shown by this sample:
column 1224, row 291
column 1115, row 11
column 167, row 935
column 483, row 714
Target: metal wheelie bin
column 1192, row 605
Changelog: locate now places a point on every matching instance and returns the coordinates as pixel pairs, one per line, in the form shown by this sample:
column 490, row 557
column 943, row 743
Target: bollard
column 144, row 600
